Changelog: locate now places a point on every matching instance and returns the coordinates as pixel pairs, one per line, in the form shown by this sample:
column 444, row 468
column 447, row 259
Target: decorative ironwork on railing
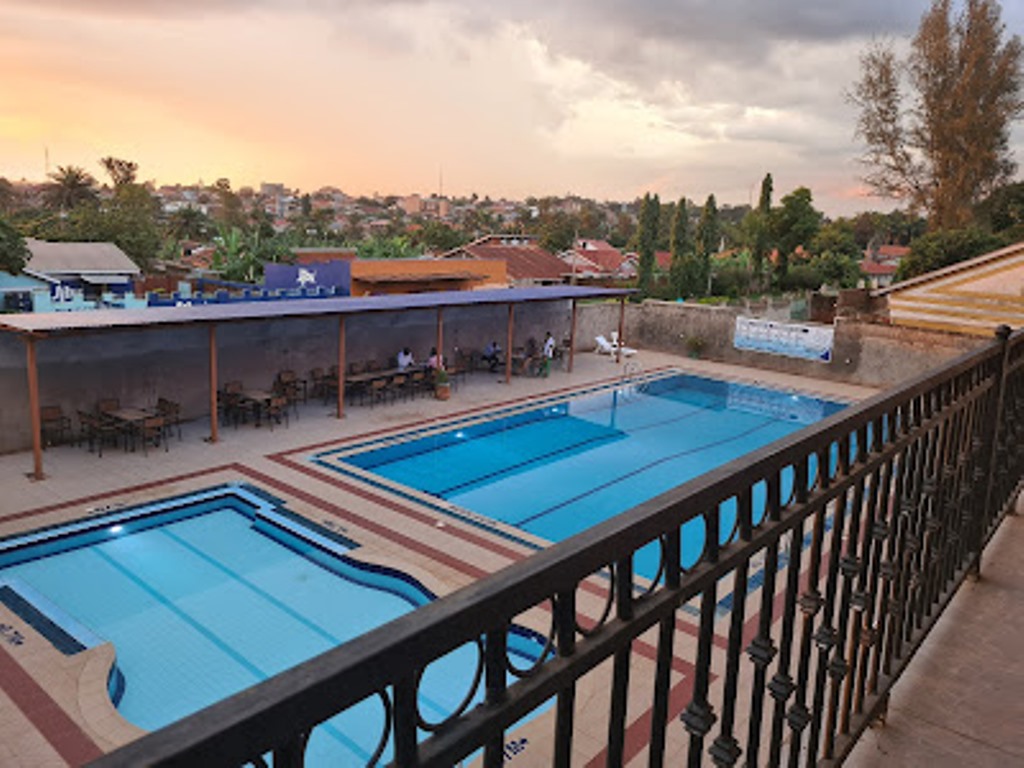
column 827, row 557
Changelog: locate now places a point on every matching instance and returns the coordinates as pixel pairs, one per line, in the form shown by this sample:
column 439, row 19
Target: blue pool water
column 206, row 596
column 556, row 470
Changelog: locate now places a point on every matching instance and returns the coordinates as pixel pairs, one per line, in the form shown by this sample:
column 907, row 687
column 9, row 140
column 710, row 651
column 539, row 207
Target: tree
column 760, row 243
column 438, row 237
column 121, row 172
column 188, row 223
column 647, row 238
column 836, row 254
column 233, row 257
column 557, row 231
column 951, row 146
column 681, row 270
column 69, row 187
column 1003, row 211
column 944, row 247
column 793, row 224
column 709, row 234
column 13, row 251
column 8, row 196
column 386, row 248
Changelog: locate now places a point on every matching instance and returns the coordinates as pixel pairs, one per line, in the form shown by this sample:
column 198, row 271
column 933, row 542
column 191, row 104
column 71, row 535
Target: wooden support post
column 440, row 337
column 508, row 343
column 622, row 325
column 213, row 383
column 341, row 366
column 33, row 406
column 572, row 337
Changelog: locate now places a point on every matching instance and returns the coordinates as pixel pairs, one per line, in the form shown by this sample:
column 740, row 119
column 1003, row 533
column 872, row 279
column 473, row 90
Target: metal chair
column 54, row 425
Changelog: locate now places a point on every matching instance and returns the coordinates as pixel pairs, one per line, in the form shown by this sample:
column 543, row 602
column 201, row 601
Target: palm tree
column 189, row 223
column 70, row 186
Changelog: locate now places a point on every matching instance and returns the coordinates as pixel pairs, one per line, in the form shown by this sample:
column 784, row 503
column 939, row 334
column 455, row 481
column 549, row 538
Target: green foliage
column 682, row 252
column 436, row 236
column 839, row 270
column 732, row 278
column 557, row 231
column 234, row 256
column 708, row 237
column 802, row 277
column 13, row 251
column 396, row 247
column 1002, row 212
column 793, row 224
column 647, row 235
column 758, row 228
column 944, row 247
column 69, row 187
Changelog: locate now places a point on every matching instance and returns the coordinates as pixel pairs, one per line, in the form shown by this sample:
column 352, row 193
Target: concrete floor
column 961, row 700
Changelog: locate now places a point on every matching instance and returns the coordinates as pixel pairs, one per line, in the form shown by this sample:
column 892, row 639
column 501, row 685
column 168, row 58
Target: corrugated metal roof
column 78, row 258
column 68, row 322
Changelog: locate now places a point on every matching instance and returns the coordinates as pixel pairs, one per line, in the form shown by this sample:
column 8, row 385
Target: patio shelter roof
column 59, row 323
column 33, row 327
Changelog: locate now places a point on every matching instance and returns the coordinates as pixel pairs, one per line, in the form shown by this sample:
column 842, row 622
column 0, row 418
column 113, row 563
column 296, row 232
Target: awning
column 106, row 279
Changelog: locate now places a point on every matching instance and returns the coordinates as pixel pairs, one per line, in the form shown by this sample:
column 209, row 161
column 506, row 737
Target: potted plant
column 695, row 345
column 442, row 384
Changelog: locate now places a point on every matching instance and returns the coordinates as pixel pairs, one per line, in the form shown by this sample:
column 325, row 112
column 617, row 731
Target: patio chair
column 153, row 431
column 317, row 384
column 377, row 390
column 275, row 410
column 55, row 426
column 229, row 402
column 605, row 347
column 96, row 431
column 171, row 413
column 417, row 383
column 397, row 386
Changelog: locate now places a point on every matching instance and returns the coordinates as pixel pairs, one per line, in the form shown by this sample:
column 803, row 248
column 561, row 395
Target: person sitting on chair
column 405, row 359
column 434, row 361
column 491, row 353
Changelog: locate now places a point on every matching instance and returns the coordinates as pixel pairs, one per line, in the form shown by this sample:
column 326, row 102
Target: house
column 593, row 259
column 81, row 275
column 526, row 263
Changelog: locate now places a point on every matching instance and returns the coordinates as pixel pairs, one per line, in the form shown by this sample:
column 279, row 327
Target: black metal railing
column 827, row 558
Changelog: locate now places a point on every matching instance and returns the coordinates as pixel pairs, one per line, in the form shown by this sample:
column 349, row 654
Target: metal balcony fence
column 835, row 551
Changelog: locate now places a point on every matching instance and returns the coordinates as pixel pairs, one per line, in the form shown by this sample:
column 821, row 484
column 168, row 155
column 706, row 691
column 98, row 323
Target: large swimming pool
column 205, row 595
column 557, row 469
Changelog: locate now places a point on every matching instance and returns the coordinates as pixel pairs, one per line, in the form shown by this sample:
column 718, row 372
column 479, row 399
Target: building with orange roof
column 526, row 263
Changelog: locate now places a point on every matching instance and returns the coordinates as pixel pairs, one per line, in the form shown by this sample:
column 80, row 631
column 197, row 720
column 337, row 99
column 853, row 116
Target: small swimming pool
column 207, row 594
column 560, row 468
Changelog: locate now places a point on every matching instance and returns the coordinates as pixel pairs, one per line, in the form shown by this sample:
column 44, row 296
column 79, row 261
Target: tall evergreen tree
column 709, row 234
column 761, row 245
column 681, row 248
column 647, row 238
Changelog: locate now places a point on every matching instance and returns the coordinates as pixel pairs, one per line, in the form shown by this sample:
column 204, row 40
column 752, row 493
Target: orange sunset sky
column 599, row 98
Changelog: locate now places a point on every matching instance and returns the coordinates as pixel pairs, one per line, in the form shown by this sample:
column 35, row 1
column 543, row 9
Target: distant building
column 71, row 276
column 525, row 261
column 596, row 260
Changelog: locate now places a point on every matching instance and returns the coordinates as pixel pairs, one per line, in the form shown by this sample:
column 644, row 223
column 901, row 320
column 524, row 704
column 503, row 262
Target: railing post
column 992, row 430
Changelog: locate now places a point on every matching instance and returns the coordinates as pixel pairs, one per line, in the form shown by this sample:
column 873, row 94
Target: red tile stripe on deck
column 62, row 733
column 116, row 492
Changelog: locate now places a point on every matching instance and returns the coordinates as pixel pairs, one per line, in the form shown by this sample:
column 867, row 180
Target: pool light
column 115, row 529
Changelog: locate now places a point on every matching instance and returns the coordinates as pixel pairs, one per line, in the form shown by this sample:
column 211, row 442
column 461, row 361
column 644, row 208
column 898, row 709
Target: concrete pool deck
column 51, row 707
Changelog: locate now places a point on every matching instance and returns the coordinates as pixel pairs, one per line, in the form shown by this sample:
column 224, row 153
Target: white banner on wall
column 809, row 342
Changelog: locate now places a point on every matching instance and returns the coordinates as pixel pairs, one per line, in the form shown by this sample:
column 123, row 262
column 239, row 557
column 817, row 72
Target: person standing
column 549, row 353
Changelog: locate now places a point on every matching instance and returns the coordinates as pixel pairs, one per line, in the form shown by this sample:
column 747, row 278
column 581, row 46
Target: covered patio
column 118, row 332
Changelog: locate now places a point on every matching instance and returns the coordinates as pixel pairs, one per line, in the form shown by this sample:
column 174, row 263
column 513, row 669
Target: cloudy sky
column 602, row 98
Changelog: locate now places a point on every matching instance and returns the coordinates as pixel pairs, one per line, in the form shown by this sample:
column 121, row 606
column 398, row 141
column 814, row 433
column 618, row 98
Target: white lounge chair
column 605, row 347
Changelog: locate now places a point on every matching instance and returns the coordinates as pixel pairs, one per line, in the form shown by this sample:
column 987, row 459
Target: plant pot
column 442, row 391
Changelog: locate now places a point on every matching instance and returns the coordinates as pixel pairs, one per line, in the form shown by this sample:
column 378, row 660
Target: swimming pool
column 557, row 469
column 205, row 595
